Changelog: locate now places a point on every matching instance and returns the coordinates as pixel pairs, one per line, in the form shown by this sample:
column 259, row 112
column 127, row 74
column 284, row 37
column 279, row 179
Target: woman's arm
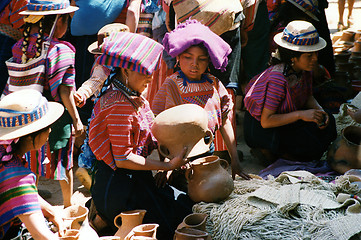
column 66, row 95
column 35, row 223
column 52, row 215
column 136, row 162
column 230, row 141
column 133, row 13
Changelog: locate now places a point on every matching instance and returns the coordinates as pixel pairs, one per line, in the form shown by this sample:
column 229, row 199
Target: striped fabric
column 118, row 129
column 60, row 68
column 177, row 90
column 10, row 15
column 272, row 92
column 219, row 16
column 46, row 5
column 18, row 193
column 301, row 39
column 129, row 50
column 145, row 24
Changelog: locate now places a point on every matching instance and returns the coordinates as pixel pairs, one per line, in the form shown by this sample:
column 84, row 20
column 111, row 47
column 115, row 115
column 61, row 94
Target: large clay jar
column 194, row 220
column 208, row 180
column 74, row 216
column 190, row 234
column 344, row 153
column 127, row 220
column 182, row 126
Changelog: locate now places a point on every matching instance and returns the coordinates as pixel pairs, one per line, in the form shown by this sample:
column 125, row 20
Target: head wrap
column 130, row 50
column 192, row 33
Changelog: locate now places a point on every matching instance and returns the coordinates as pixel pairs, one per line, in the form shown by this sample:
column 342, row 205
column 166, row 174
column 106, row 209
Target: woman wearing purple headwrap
column 195, row 45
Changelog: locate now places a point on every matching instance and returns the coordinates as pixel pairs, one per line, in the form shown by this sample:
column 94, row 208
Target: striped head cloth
column 48, row 7
column 130, row 50
column 26, row 111
column 300, row 36
column 310, row 7
column 192, row 33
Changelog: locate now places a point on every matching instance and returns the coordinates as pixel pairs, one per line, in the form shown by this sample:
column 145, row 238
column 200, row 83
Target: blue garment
column 94, row 14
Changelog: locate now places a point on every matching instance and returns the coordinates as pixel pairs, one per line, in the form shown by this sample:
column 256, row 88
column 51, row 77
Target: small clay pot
column 127, row 220
column 348, row 36
column 70, row 234
column 74, row 216
column 357, row 35
column 194, row 220
column 357, row 46
column 356, row 60
column 342, row 57
column 146, row 230
column 190, row 234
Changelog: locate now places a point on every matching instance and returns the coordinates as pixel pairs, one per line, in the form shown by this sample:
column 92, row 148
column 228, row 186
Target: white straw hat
column 48, row 7
column 26, row 111
column 300, row 36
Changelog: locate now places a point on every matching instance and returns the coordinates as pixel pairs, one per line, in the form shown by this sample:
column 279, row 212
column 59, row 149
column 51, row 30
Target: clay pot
column 356, row 60
column 208, row 180
column 348, row 36
column 143, row 231
column 342, row 57
column 127, row 220
column 357, row 46
column 70, row 234
column 109, row 238
column 190, row 234
column 182, row 126
column 344, row 153
column 357, row 35
column 74, row 216
column 194, row 220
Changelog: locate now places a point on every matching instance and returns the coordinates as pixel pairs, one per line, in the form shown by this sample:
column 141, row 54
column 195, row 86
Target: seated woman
column 120, row 138
column 283, row 119
column 25, row 118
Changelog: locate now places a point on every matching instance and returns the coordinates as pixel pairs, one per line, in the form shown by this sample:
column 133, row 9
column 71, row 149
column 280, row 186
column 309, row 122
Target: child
column 193, row 44
column 58, row 84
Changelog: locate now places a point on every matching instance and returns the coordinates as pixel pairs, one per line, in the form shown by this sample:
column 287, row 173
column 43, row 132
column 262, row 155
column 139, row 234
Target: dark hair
column 286, row 56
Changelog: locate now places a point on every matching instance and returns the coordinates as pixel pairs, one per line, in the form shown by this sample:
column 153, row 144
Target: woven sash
column 218, row 15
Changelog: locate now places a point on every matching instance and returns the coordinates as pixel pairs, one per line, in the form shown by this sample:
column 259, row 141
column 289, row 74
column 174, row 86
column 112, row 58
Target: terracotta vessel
column 143, row 231
column 342, row 57
column 182, row 126
column 127, row 220
column 345, row 152
column 194, row 220
column 348, row 36
column 74, row 216
column 208, row 180
column 70, row 234
column 190, row 234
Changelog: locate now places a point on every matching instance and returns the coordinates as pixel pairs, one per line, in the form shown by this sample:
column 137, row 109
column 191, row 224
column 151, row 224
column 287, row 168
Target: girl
column 20, row 201
column 283, row 119
column 120, row 138
column 58, row 84
column 194, row 44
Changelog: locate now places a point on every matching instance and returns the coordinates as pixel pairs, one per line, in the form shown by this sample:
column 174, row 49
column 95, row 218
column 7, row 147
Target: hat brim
column 93, row 48
column 69, row 9
column 299, row 48
column 55, row 110
column 304, row 10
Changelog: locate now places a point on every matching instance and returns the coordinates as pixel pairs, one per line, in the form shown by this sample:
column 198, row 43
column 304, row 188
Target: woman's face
column 61, row 26
column 193, row 62
column 138, row 81
column 306, row 62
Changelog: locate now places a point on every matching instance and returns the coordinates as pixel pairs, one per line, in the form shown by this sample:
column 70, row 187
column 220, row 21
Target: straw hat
column 26, row 111
column 105, row 32
column 48, row 7
column 300, row 36
column 310, row 7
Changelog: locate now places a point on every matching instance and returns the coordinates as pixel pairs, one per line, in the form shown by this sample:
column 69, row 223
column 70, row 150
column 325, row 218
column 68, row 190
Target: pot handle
column 116, row 222
column 224, row 163
column 189, row 173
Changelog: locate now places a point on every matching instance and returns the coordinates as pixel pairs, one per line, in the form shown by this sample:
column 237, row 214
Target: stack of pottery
column 209, row 180
column 193, row 227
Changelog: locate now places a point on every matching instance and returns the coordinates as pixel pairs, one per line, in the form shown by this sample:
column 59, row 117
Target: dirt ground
column 250, row 164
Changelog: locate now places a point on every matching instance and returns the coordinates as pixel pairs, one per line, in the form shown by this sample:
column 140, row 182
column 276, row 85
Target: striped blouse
column 61, row 63
column 18, row 192
column 209, row 93
column 271, row 91
column 121, row 126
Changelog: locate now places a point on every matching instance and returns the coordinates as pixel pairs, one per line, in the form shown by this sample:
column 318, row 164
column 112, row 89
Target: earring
column 176, row 64
column 126, row 81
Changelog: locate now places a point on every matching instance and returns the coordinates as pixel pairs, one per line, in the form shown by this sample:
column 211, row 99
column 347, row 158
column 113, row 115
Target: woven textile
column 18, row 193
column 132, row 51
column 304, row 207
column 219, row 16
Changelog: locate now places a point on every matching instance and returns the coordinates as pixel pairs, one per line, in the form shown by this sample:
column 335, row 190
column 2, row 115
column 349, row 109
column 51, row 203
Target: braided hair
column 26, row 36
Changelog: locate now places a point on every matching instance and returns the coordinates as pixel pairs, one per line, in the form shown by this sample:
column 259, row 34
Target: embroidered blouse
column 271, row 91
column 208, row 93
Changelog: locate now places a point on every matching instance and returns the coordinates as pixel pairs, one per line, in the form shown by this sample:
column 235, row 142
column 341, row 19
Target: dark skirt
column 122, row 190
column 303, row 140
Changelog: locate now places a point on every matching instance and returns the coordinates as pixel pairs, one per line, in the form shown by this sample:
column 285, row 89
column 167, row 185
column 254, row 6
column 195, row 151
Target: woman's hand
column 320, row 117
column 78, row 128
column 236, row 169
column 79, row 99
column 355, row 115
column 178, row 160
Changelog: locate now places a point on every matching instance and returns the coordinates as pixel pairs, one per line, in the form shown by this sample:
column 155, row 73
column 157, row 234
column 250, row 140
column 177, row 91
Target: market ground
column 250, row 164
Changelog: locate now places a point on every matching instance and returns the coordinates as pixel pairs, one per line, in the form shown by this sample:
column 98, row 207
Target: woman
column 283, row 119
column 120, row 138
column 20, row 200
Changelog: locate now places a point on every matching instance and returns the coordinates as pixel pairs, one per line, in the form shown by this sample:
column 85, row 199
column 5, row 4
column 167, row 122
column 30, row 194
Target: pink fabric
column 192, row 33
